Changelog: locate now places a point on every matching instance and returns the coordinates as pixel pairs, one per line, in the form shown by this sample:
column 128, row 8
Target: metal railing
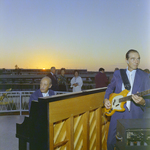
column 17, row 101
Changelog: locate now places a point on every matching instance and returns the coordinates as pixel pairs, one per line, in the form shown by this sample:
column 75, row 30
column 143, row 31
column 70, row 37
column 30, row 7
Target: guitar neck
column 123, row 99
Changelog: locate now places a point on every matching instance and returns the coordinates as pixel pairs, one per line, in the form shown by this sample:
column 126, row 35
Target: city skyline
column 73, row 34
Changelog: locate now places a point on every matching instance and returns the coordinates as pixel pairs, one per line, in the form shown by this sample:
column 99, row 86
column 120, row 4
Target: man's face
column 133, row 61
column 44, row 85
column 53, row 70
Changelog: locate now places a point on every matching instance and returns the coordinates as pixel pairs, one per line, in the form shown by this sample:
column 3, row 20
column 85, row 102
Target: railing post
column 20, row 104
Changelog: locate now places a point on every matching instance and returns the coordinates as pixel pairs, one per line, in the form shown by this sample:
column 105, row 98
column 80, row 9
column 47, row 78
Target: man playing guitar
column 134, row 109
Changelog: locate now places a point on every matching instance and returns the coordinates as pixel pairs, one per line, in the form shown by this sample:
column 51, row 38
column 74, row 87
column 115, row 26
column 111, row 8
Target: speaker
column 133, row 134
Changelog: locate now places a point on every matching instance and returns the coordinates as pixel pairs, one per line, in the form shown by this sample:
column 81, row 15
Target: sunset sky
column 75, row 34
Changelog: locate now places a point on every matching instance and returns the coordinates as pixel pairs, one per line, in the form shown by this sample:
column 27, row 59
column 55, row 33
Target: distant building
column 29, row 79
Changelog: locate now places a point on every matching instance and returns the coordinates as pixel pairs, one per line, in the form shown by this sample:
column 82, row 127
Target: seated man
column 44, row 90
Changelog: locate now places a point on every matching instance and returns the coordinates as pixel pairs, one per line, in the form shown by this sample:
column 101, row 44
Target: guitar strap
column 125, row 79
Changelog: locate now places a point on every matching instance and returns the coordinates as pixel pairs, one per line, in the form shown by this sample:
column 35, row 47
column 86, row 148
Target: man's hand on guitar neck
column 107, row 104
column 139, row 100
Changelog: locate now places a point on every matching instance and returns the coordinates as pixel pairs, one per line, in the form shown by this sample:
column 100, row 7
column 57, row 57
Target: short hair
column 116, row 69
column 76, row 71
column 52, row 68
column 131, row 50
column 62, row 69
column 101, row 69
column 146, row 70
column 50, row 81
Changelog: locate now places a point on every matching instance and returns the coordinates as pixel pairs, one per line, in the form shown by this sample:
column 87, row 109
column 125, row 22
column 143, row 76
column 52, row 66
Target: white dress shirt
column 131, row 76
column 45, row 94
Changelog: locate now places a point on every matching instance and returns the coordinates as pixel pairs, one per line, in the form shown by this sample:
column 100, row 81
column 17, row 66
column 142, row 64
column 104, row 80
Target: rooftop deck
column 8, row 140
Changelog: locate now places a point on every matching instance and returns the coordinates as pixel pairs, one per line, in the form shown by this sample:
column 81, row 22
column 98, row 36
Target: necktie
column 129, row 102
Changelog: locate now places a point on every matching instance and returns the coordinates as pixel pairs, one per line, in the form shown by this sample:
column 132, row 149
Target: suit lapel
column 40, row 94
column 137, row 82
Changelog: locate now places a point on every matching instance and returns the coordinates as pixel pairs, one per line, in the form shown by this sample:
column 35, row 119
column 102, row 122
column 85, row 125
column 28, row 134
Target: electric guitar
column 117, row 101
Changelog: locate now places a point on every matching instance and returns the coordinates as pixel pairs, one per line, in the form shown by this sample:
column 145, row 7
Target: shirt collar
column 45, row 94
column 131, row 72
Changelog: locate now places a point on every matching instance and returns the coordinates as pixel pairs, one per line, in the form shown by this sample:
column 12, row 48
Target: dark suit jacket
column 38, row 94
column 141, row 83
column 54, row 82
column 101, row 80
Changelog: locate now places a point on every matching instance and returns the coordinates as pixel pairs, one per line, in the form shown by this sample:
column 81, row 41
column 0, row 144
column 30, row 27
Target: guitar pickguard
column 115, row 103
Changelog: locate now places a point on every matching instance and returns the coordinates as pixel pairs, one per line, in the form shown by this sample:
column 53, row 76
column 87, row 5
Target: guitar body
column 115, row 104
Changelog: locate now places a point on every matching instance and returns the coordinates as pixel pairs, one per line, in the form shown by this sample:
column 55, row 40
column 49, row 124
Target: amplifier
column 133, row 134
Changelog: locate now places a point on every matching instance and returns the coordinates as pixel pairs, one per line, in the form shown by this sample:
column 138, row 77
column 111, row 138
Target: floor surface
column 8, row 140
